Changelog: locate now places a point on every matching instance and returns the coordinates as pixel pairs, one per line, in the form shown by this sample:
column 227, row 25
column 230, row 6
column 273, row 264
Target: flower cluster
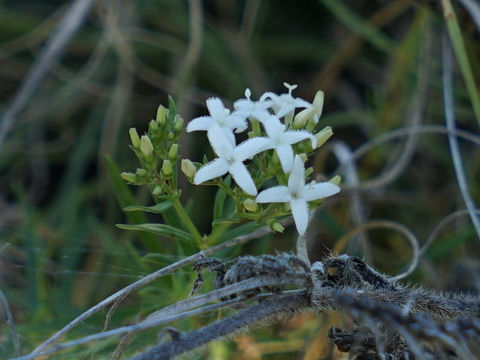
column 286, row 138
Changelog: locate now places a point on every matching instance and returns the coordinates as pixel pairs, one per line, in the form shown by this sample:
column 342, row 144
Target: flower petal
column 274, row 127
column 213, row 169
column 251, row 147
column 242, row 177
column 222, row 141
column 200, row 123
column 300, row 214
column 237, row 122
column 296, row 181
column 274, row 194
column 292, row 137
column 314, row 191
column 285, row 154
column 216, row 108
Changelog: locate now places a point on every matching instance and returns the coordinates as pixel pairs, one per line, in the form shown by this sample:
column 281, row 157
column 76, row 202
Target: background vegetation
column 380, row 66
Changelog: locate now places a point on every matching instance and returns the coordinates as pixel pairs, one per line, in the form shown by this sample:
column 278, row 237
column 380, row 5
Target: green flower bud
column 134, row 138
column 128, row 176
column 178, row 124
column 188, row 168
column 141, row 172
column 146, row 146
column 167, row 169
column 153, row 125
column 308, row 171
column 303, row 156
column 277, row 227
column 318, row 104
column 158, row 190
column 173, row 152
column 336, row 180
column 171, row 135
column 162, row 115
column 302, row 118
column 323, row 135
column 250, row 205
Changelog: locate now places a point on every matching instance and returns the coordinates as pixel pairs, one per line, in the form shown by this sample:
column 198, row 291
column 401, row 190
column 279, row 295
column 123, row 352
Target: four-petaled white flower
column 282, row 141
column 248, row 108
column 220, row 117
column 298, row 194
column 230, row 160
column 285, row 104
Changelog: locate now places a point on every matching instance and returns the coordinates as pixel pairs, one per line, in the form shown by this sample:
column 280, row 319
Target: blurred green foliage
column 62, row 194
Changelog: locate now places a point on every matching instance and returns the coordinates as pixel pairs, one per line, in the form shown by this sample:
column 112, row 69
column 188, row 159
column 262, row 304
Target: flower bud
column 318, row 105
column 302, row 117
column 173, row 152
column 134, row 138
column 158, row 190
column 303, row 156
column 146, row 146
column 162, row 115
column 171, row 135
column 141, row 172
column 178, row 124
column 188, row 168
column 153, row 125
column 167, row 169
column 250, row 205
column 336, row 180
column 323, row 135
column 277, row 227
column 128, row 176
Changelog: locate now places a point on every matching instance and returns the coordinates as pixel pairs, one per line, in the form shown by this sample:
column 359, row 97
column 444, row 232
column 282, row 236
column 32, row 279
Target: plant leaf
column 155, row 209
column 158, row 229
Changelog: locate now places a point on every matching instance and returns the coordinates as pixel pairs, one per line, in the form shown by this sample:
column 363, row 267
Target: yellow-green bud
column 134, row 138
column 146, row 146
column 308, row 171
column 153, row 125
column 171, row 135
column 318, row 104
column 167, row 169
column 157, row 191
column 188, row 168
column 336, row 180
column 141, row 172
column 178, row 123
column 277, row 227
column 323, row 135
column 303, row 156
column 128, row 176
column 173, row 152
column 302, row 117
column 162, row 115
column 250, row 205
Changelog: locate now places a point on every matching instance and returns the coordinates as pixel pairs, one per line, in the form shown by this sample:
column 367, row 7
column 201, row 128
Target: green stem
column 216, row 233
column 185, row 218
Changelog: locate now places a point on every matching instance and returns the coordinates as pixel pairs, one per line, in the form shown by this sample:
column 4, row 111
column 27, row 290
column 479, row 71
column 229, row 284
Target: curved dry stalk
column 452, row 140
column 348, row 165
column 412, row 239
column 146, row 280
column 440, row 226
column 63, row 33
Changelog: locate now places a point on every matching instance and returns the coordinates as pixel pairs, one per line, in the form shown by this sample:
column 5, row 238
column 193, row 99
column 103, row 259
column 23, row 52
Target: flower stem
column 185, row 218
column 302, row 251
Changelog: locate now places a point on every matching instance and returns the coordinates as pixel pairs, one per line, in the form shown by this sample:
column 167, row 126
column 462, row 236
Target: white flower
column 285, row 103
column 252, row 109
column 282, row 141
column 298, row 194
column 219, row 117
column 230, row 160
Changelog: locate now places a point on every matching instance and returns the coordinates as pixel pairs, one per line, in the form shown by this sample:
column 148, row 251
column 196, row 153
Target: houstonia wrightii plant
column 260, row 180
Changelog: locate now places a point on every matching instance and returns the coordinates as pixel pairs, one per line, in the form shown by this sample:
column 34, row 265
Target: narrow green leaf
column 459, row 47
column 155, row 209
column 226, row 221
column 158, row 229
column 240, row 230
column 125, row 198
